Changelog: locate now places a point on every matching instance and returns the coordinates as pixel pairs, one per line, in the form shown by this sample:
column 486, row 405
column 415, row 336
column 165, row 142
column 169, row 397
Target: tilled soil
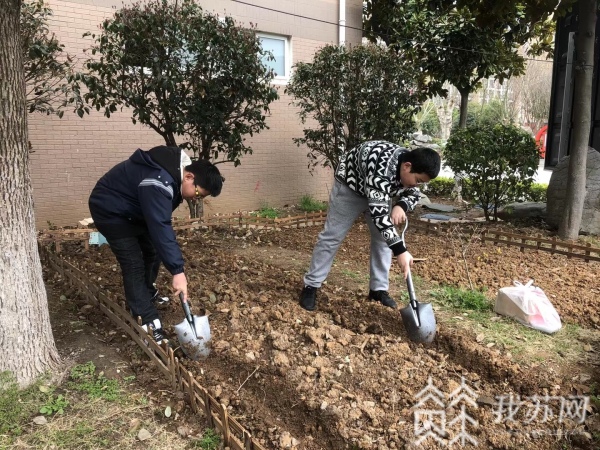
column 346, row 376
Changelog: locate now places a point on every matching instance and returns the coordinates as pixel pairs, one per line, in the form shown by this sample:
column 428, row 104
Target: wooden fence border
column 498, row 237
column 553, row 246
column 235, row 436
column 246, row 221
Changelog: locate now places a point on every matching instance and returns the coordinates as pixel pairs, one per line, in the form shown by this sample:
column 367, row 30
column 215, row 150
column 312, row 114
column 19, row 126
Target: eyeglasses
column 198, row 195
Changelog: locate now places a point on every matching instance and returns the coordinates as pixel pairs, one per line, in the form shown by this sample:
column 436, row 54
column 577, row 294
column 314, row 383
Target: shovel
column 418, row 318
column 193, row 333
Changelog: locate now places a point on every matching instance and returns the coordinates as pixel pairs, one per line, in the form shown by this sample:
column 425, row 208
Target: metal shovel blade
column 418, row 318
column 193, row 333
column 419, row 323
column 195, row 342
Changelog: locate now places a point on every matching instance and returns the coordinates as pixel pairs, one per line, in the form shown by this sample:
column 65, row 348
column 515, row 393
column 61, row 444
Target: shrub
column 348, row 95
column 431, row 124
column 499, row 161
column 309, row 204
column 536, row 192
column 204, row 76
column 267, row 211
column 440, row 187
column 487, row 115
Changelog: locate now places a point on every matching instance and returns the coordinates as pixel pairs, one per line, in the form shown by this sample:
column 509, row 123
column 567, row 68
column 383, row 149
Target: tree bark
column 570, row 223
column 445, row 107
column 27, row 346
column 462, row 123
column 464, row 107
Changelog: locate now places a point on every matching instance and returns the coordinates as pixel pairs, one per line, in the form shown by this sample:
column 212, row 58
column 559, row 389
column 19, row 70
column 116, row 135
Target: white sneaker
column 160, row 301
column 156, row 330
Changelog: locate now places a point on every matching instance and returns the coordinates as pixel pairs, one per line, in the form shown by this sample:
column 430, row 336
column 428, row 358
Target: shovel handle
column 409, row 283
column 186, row 308
column 411, row 288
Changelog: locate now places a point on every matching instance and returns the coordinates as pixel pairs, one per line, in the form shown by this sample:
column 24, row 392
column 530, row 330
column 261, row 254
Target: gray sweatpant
column 345, row 206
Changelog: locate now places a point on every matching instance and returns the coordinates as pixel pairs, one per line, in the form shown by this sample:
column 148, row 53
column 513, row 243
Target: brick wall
column 70, row 154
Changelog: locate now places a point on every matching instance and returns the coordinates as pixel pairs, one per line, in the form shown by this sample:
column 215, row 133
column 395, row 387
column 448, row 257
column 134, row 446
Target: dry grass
column 97, row 423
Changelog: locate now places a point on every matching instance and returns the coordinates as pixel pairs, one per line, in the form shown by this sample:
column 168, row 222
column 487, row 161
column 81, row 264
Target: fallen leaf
column 133, row 424
column 40, row 420
column 144, row 435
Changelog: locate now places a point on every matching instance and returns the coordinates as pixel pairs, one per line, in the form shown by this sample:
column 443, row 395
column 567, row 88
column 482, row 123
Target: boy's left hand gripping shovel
column 193, row 333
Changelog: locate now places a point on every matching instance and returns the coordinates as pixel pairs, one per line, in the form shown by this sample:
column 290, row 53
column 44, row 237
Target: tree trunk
column 462, row 123
column 196, row 207
column 464, row 106
column 444, row 108
column 26, row 342
column 570, row 222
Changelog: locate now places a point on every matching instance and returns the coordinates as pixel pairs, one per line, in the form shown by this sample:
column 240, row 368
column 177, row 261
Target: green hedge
column 537, row 192
column 442, row 187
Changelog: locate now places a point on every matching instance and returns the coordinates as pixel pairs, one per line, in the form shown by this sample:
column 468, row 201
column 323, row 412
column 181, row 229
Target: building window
column 279, row 46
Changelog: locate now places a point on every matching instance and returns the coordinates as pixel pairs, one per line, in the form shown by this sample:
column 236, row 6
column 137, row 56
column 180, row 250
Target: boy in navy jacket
column 132, row 205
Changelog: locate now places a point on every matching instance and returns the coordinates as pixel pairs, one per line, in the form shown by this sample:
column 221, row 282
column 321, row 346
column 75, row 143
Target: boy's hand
column 180, row 285
column 405, row 260
column 398, row 215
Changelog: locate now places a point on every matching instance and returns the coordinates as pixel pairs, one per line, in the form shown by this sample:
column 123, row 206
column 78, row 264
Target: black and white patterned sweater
column 371, row 170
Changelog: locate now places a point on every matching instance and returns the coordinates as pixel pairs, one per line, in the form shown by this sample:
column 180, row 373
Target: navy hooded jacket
column 141, row 194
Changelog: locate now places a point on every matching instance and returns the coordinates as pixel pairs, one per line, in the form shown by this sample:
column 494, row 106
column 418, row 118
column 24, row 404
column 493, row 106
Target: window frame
column 287, row 48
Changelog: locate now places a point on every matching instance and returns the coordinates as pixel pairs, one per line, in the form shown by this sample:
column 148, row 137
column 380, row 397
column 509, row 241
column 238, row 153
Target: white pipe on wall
column 342, row 22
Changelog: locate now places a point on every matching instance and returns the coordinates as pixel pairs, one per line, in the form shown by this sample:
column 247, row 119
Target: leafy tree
column 353, row 94
column 427, row 121
column 46, row 65
column 532, row 93
column 500, row 163
column 460, row 42
column 183, row 72
column 483, row 115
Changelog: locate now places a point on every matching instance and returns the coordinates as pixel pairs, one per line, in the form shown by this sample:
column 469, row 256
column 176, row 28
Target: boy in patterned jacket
column 366, row 179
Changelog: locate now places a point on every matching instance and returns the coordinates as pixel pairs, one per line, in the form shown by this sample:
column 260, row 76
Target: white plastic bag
column 529, row 305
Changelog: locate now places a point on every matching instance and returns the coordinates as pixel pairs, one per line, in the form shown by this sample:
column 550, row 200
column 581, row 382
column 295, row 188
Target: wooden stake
column 225, row 422
column 247, row 440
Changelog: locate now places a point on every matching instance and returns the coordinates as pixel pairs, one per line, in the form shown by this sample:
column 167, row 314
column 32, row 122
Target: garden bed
column 346, row 375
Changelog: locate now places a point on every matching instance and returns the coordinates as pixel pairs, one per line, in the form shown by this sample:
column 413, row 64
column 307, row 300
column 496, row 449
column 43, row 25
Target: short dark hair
column 207, row 176
column 424, row 160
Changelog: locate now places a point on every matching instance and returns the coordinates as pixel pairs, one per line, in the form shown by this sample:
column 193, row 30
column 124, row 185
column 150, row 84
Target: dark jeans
column 139, row 266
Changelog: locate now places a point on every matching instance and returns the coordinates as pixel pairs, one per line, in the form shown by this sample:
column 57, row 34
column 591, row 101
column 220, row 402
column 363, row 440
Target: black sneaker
column 383, row 297
column 156, row 331
column 308, row 298
column 158, row 300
